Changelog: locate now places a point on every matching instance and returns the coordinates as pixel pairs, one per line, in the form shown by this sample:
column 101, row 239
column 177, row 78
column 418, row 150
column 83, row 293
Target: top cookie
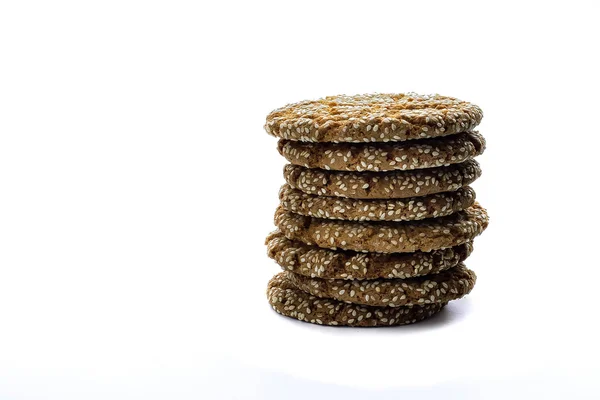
column 373, row 118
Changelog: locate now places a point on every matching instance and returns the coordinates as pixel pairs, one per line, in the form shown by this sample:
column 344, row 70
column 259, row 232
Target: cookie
column 288, row 300
column 382, row 185
column 408, row 209
column 373, row 118
column 449, row 285
column 384, row 237
column 317, row 262
column 414, row 154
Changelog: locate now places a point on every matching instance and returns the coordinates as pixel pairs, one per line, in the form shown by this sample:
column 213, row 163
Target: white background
column 137, row 186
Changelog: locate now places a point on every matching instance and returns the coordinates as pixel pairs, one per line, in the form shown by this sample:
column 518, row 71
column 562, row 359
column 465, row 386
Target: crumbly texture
column 288, row 300
column 373, row 118
column 409, row 209
column 382, row 185
column 414, row 154
column 384, row 237
column 437, row 288
column 316, row 262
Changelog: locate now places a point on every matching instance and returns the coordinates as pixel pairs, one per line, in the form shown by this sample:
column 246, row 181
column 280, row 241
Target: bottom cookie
column 288, row 300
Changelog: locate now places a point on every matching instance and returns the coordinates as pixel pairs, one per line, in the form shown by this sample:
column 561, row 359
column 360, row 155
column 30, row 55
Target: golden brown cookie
column 384, row 236
column 449, row 285
column 408, row 209
column 413, row 154
column 373, row 118
column 288, row 300
column 317, row 262
column 382, row 185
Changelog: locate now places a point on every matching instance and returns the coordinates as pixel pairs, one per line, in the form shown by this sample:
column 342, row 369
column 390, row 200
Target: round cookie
column 381, row 185
column 316, row 262
column 375, row 117
column 384, row 236
column 438, row 288
column 408, row 209
column 286, row 299
column 414, row 154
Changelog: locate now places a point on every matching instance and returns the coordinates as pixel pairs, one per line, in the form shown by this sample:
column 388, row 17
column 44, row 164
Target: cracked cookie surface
column 377, row 117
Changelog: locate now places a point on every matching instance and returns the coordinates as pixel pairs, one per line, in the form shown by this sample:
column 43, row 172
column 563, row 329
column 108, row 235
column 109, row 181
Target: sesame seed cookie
column 438, row 288
column 408, row 209
column 317, row 262
column 286, row 299
column 414, row 154
column 373, row 118
column 384, row 236
column 381, row 185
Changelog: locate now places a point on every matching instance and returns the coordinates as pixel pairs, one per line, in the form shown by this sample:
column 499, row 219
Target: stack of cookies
column 376, row 217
